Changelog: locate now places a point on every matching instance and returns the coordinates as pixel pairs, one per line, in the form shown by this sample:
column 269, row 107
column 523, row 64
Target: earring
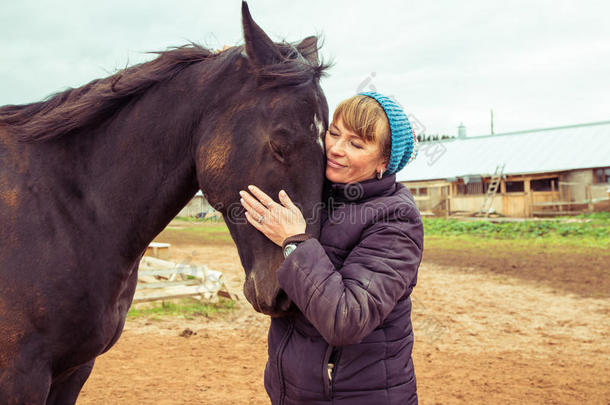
column 379, row 174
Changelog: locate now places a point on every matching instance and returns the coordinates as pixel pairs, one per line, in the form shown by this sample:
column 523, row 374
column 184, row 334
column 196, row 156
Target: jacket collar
column 358, row 192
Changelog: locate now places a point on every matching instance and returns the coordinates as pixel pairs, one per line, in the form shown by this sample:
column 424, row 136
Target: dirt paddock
column 482, row 337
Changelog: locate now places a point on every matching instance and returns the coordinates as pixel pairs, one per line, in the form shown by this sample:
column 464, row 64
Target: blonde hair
column 365, row 117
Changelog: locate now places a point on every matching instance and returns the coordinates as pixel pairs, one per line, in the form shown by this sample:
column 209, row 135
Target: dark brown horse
column 90, row 176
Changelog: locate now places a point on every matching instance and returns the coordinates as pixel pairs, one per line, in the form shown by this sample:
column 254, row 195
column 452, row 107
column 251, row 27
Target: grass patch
column 490, row 246
column 592, row 230
column 180, row 231
column 184, row 308
column 219, row 233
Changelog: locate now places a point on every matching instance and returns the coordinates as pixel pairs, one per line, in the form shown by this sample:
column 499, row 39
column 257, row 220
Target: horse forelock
column 293, row 70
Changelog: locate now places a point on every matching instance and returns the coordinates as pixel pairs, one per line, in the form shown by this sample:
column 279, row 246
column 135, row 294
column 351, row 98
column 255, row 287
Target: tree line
column 431, row 138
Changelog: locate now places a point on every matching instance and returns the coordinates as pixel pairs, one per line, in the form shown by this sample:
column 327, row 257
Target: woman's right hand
column 276, row 221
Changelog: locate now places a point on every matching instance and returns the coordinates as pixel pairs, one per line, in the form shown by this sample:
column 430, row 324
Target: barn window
column 419, row 191
column 514, row 187
column 470, row 188
column 472, row 185
column 544, row 184
column 602, row 175
column 487, row 185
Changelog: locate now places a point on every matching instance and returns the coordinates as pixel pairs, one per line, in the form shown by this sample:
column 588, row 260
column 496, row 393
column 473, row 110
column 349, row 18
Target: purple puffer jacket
column 352, row 289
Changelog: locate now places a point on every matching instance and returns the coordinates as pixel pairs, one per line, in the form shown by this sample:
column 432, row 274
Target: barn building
column 199, row 207
column 538, row 172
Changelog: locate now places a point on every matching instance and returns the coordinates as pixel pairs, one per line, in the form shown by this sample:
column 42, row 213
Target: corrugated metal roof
column 533, row 151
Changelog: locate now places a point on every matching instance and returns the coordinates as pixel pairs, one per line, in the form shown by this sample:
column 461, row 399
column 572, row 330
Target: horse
column 89, row 177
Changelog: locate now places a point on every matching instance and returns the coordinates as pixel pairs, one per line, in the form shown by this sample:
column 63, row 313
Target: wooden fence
column 163, row 280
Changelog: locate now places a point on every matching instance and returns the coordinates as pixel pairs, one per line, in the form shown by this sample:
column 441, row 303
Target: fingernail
column 250, row 187
column 241, row 192
column 241, row 200
column 283, row 193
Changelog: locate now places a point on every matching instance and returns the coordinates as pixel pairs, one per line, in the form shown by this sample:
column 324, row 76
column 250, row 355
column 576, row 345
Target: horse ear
column 259, row 47
column 309, row 49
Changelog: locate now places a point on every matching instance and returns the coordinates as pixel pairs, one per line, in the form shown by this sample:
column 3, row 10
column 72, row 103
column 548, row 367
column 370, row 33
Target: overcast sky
column 536, row 63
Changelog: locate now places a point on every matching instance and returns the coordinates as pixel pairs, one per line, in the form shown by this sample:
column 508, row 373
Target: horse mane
column 75, row 108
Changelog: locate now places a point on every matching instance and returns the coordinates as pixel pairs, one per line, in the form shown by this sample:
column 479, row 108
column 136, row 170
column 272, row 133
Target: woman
column 351, row 340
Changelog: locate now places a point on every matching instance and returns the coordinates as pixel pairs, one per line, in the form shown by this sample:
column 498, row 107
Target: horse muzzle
column 266, row 296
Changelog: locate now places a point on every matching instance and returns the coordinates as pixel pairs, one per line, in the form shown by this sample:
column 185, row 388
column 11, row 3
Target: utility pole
column 492, row 121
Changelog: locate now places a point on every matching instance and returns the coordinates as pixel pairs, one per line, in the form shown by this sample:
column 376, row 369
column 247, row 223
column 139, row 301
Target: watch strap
column 298, row 238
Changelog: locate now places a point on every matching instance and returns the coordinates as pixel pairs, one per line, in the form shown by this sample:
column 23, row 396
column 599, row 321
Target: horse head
column 269, row 135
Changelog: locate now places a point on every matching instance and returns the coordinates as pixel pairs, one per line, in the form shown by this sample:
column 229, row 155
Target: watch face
column 289, row 249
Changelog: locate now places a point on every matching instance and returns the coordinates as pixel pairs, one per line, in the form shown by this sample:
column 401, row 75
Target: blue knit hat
column 404, row 141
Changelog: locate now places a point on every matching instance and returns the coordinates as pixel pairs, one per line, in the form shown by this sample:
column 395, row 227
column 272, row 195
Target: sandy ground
column 482, row 337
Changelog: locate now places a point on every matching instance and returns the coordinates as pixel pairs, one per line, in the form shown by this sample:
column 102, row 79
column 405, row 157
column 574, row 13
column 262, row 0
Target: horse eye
column 277, row 152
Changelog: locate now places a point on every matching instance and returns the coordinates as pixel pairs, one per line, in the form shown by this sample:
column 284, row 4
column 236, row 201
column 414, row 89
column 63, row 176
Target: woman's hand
column 276, row 221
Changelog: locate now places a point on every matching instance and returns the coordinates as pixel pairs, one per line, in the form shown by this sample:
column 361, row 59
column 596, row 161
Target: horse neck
column 139, row 168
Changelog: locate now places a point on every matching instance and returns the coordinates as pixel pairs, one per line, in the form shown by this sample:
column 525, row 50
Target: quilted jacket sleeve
column 347, row 304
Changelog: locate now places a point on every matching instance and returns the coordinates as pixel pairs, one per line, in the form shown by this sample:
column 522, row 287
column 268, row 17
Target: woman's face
column 348, row 158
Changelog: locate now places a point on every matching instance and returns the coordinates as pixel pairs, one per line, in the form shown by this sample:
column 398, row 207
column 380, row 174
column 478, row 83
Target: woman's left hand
column 276, row 221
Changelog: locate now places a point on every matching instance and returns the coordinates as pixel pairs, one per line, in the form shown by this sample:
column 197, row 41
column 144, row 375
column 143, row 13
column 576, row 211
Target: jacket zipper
column 280, row 352
column 334, row 371
column 329, row 367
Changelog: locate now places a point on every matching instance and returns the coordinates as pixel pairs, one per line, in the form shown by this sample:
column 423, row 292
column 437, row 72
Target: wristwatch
column 289, row 248
column 291, row 242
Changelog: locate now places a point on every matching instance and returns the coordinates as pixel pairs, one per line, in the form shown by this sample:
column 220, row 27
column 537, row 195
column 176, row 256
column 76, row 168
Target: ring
column 260, row 219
